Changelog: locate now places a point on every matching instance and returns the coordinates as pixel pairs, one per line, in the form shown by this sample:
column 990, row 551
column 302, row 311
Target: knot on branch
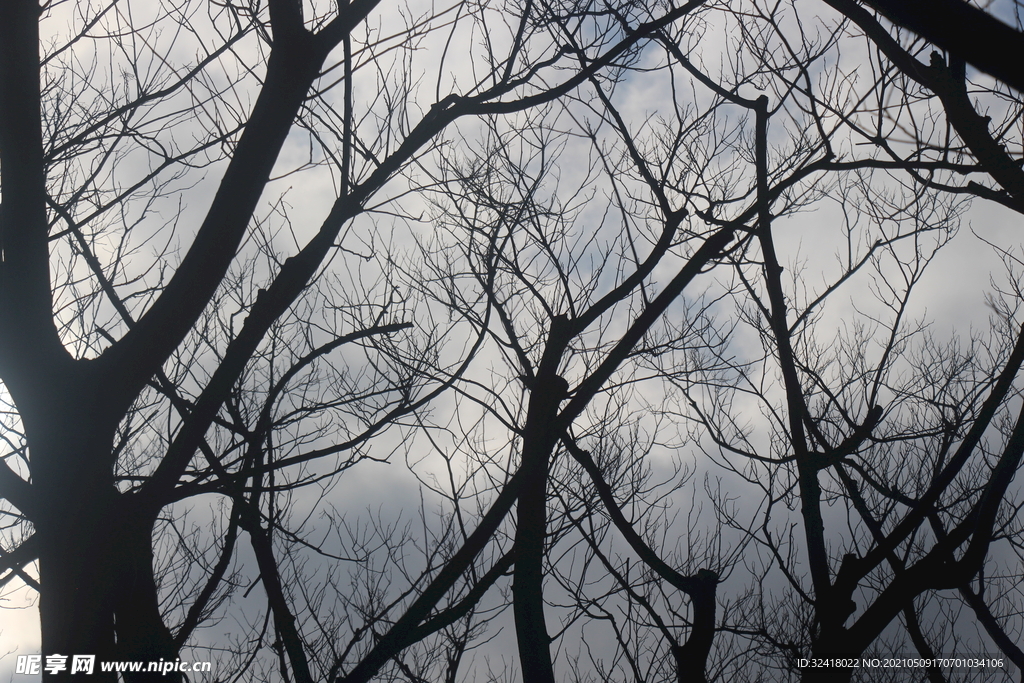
column 555, row 386
column 708, row 576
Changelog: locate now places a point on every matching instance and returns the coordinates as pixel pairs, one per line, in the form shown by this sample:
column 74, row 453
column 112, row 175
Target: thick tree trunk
column 692, row 657
column 75, row 605
column 539, row 438
column 72, row 476
column 140, row 630
column 98, row 593
column 528, row 580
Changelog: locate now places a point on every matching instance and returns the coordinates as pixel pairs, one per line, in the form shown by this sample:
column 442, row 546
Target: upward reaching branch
column 134, row 359
column 30, row 350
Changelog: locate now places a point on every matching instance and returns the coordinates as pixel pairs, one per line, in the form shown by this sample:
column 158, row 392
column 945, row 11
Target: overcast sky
column 952, row 298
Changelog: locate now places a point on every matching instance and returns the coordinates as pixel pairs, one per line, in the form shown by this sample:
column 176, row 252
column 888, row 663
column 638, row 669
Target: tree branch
column 970, row 33
column 32, row 356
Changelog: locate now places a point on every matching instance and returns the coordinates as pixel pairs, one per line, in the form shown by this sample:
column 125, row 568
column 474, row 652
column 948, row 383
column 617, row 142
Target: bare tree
column 551, row 255
column 896, row 448
column 519, row 268
column 908, row 499
column 109, row 111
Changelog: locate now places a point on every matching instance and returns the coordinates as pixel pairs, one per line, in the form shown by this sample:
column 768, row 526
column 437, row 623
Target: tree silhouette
column 96, row 346
column 639, row 293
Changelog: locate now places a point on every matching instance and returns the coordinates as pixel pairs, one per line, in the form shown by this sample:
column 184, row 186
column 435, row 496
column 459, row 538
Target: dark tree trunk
column 75, row 608
column 528, row 581
column 141, row 633
column 692, row 657
column 539, row 438
column 71, row 471
column 95, row 553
